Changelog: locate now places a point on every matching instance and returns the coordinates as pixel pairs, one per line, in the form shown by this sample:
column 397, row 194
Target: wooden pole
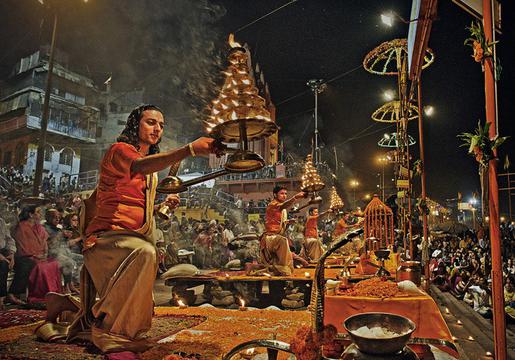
column 423, row 181
column 40, row 157
column 493, row 193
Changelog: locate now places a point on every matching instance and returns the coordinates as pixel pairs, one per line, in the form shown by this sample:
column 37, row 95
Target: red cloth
column 273, row 217
column 120, row 195
column 31, row 239
column 45, row 277
column 311, row 227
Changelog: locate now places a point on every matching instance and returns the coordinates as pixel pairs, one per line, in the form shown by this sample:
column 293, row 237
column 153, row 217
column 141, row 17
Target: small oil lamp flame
column 447, row 311
column 233, row 43
column 247, row 354
column 242, row 305
column 307, row 275
column 267, row 274
column 181, row 304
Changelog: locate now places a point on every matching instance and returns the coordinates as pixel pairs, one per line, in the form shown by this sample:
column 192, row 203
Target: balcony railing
column 64, row 129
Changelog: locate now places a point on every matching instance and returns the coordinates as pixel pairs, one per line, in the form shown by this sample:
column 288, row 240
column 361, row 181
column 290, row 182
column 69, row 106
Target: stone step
column 473, row 324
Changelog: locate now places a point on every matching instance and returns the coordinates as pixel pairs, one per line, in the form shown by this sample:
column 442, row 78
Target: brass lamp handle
column 174, row 168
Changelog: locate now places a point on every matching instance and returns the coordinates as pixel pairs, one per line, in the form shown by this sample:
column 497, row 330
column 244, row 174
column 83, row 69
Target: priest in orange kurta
column 312, row 248
column 274, row 246
column 119, row 251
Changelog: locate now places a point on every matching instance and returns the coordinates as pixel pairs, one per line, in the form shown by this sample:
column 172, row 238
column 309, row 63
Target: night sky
column 304, row 40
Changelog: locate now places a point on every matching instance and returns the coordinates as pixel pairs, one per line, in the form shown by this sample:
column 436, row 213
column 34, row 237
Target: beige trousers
column 122, row 268
column 312, row 249
column 275, row 252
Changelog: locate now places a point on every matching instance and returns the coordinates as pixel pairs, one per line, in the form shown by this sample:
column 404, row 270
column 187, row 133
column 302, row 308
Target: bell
column 165, row 212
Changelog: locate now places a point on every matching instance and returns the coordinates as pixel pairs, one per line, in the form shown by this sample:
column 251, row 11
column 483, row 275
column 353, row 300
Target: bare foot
column 14, row 300
column 73, row 289
column 56, row 304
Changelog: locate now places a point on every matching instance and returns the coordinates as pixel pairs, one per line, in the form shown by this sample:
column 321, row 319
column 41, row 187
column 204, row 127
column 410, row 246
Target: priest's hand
column 173, row 201
column 203, row 146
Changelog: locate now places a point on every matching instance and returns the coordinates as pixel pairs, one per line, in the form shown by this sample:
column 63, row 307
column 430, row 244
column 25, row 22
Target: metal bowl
column 382, row 254
column 380, row 346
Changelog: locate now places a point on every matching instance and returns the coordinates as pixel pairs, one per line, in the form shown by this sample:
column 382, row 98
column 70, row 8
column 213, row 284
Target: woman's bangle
column 192, row 152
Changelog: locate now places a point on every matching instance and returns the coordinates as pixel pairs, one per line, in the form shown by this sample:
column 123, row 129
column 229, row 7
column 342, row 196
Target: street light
column 429, row 110
column 354, row 184
column 389, row 18
column 389, row 95
column 317, row 86
column 382, row 160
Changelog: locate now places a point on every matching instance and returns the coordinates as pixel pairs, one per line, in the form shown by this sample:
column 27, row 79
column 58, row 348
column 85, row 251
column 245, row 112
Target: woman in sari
column 32, row 249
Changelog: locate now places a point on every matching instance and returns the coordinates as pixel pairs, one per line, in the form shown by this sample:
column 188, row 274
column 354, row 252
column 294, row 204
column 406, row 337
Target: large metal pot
column 410, row 270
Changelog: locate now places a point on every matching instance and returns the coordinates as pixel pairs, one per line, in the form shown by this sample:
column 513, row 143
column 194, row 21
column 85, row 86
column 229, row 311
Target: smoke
column 174, row 50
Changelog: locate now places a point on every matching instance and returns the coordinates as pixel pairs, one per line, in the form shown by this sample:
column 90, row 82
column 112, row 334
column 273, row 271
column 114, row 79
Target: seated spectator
column 7, row 251
column 509, row 298
column 478, row 298
column 31, row 247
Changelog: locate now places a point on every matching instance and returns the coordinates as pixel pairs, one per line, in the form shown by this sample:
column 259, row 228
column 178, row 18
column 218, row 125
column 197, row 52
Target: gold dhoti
column 312, row 249
column 275, row 253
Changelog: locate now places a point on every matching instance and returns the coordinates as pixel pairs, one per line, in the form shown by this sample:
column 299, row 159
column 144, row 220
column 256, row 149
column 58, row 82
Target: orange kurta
column 341, row 227
column 311, row 227
column 120, row 196
column 273, row 217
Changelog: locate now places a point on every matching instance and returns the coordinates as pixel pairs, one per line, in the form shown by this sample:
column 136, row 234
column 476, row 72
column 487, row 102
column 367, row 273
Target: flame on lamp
column 242, row 302
column 250, row 351
column 233, row 43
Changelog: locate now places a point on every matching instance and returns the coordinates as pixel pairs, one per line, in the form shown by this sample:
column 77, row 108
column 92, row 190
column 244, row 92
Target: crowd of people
column 461, row 264
column 16, row 184
column 41, row 245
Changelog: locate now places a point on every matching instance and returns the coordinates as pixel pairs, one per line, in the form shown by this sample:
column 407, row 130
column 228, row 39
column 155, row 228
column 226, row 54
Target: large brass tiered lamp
column 238, row 115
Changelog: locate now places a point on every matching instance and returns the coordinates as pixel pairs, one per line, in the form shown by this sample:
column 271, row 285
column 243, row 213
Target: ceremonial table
column 302, row 278
column 421, row 309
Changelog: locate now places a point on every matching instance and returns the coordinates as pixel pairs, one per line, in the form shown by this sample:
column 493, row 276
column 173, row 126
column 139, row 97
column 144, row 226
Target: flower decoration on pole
column 311, row 180
column 336, row 200
column 480, row 145
column 482, row 49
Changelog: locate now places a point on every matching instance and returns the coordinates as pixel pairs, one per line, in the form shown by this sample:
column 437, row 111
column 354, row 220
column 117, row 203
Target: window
column 49, row 150
column 7, row 158
column 19, row 154
column 66, row 157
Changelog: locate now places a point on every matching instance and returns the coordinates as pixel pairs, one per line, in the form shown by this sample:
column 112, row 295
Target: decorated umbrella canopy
column 451, row 227
column 390, row 112
column 391, row 141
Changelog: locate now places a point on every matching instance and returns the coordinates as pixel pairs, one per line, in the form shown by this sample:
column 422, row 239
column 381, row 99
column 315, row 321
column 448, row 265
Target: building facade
column 72, row 123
